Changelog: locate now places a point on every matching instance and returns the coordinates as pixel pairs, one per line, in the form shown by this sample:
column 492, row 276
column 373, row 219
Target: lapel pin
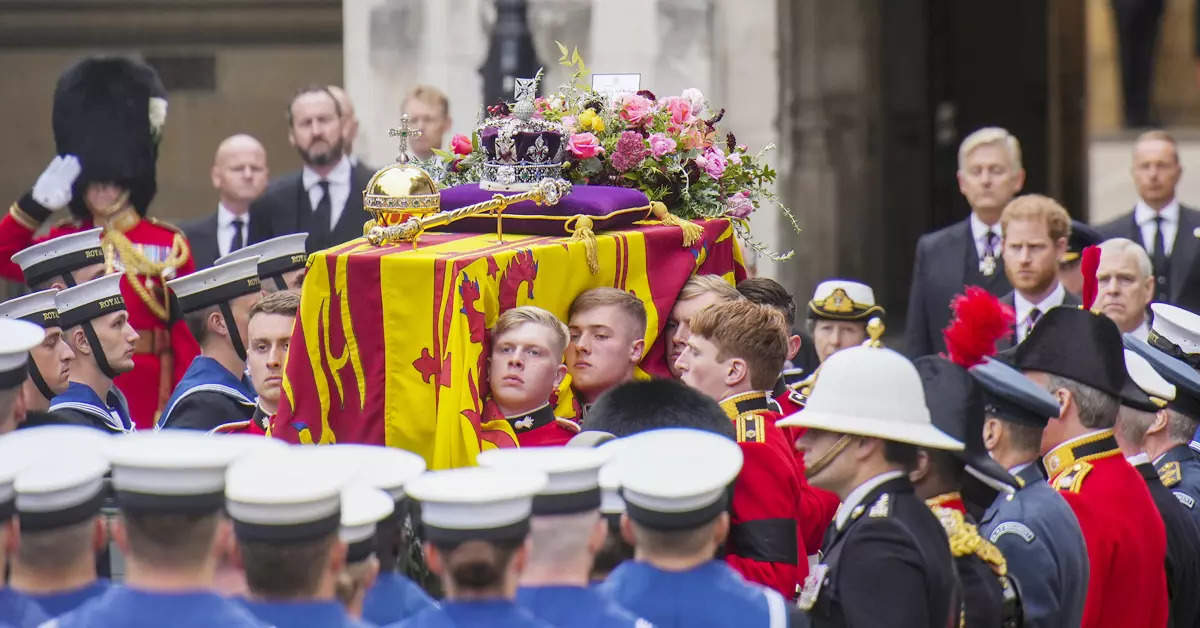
column 1196, row 232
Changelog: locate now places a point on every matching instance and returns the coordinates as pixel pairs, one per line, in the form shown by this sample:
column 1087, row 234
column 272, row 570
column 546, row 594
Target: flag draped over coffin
column 391, row 344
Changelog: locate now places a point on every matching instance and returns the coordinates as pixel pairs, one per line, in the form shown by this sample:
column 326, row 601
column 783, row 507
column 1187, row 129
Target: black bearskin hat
column 109, row 112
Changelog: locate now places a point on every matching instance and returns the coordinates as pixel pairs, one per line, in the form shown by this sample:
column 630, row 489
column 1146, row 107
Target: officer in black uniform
column 1138, row 413
column 215, row 303
column 886, row 558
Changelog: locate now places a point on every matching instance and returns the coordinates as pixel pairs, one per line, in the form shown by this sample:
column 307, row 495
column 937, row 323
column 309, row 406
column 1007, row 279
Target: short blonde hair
column 627, row 302
column 511, row 319
column 429, row 95
column 1038, row 207
column 742, row 329
column 986, row 136
column 699, row 285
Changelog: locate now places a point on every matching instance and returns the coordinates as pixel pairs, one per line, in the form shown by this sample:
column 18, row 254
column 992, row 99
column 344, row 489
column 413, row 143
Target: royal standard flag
column 391, row 343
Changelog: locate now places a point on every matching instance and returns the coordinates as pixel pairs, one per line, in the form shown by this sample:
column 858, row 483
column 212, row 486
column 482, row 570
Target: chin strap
column 68, row 279
column 38, row 380
column 280, row 283
column 234, row 336
column 828, row 457
column 97, row 350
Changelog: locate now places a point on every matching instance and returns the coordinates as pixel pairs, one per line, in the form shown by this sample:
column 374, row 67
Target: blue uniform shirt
column 79, row 404
column 1040, row 538
column 489, row 613
column 17, row 610
column 1179, row 471
column 60, row 602
column 711, row 594
column 206, row 376
column 394, row 597
column 303, row 614
column 575, row 607
column 132, row 608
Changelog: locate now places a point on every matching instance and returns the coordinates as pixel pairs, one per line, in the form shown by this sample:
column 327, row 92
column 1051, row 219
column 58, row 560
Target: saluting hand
column 53, row 187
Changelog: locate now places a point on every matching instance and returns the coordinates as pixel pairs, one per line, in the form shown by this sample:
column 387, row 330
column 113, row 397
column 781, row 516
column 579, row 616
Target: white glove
column 53, row 187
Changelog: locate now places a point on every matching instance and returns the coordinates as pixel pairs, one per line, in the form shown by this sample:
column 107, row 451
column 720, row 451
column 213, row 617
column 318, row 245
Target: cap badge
column 838, row 302
column 524, row 424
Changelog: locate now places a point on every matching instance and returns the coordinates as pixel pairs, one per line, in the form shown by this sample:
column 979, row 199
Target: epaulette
column 165, row 225
column 1071, row 479
column 567, row 424
column 750, row 428
column 965, row 540
column 882, row 506
column 1169, row 474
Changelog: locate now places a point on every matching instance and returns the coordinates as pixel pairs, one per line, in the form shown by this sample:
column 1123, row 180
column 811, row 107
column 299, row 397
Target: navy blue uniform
column 394, row 597
column 1179, row 470
column 208, row 395
column 489, row 613
column 303, row 614
column 1183, row 551
column 1038, row 534
column 575, row 607
column 17, row 610
column 888, row 564
column 132, row 608
column 80, row 405
column 60, row 602
column 711, row 594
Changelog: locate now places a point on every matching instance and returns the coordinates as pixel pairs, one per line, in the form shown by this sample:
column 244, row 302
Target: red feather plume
column 980, row 319
column 1088, row 263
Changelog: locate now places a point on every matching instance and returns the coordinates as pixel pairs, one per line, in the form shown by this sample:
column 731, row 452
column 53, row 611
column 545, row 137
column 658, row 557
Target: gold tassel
column 692, row 232
column 583, row 233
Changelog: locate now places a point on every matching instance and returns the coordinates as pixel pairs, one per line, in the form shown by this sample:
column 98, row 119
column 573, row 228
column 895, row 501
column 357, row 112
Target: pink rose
column 681, row 110
column 715, row 163
column 461, row 144
column 701, row 162
column 661, row 145
column 739, row 205
column 735, row 159
column 636, row 110
column 584, row 145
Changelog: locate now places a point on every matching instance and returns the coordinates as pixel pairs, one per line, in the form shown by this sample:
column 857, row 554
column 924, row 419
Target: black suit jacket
column 285, row 208
column 946, row 261
column 1010, row 340
column 1183, row 550
column 202, row 237
column 1184, row 281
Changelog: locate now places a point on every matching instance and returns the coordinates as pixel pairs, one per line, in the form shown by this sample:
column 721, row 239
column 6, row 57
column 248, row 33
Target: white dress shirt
column 979, row 231
column 339, row 188
column 1144, row 217
column 1024, row 307
column 226, row 229
column 847, row 507
column 1141, row 332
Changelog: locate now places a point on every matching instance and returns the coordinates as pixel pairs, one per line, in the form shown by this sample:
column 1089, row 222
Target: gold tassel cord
column 583, row 233
column 692, row 232
column 138, row 267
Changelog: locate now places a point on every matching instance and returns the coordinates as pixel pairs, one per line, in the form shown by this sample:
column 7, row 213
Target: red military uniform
column 819, row 505
column 259, row 424
column 766, row 537
column 539, row 428
column 163, row 352
column 1126, row 540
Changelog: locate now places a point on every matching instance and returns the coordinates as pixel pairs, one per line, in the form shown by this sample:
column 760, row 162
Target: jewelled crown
column 519, row 149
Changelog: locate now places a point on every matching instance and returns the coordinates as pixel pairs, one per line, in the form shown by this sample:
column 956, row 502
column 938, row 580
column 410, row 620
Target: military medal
column 987, row 265
column 524, row 424
column 812, row 586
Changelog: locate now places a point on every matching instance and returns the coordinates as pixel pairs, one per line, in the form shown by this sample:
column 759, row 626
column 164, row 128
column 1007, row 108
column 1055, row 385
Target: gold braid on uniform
column 137, row 266
column 965, row 539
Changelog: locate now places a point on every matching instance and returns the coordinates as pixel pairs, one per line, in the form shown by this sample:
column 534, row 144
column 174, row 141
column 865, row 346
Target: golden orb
column 399, row 192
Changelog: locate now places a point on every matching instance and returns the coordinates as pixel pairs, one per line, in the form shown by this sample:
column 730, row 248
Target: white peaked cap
column 1177, row 325
column 289, row 495
column 386, row 468
column 1147, row 378
column 573, row 475
column 476, row 503
column 871, row 392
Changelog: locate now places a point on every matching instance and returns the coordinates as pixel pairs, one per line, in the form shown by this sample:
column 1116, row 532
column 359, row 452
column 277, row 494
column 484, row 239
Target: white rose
column 695, row 98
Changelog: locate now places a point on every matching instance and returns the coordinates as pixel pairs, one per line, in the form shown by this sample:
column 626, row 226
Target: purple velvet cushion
column 609, row 207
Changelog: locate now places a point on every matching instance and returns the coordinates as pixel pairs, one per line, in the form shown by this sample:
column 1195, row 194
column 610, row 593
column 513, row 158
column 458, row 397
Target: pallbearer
column 94, row 319
column 215, row 303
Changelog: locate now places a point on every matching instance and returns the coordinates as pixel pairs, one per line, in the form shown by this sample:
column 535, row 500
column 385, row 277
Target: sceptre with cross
column 405, row 132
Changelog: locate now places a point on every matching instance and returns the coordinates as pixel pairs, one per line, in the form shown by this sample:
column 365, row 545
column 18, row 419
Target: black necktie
column 237, row 242
column 1160, row 249
column 1034, row 315
column 322, row 216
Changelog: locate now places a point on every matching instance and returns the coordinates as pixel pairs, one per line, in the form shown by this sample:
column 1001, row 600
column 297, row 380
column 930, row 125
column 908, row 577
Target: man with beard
column 1035, row 236
column 324, row 197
